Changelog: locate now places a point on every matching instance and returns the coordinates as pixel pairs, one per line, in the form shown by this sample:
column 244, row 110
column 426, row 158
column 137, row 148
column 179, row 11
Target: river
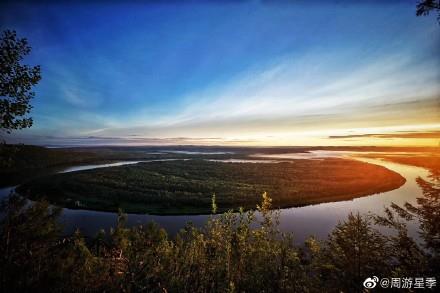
column 317, row 220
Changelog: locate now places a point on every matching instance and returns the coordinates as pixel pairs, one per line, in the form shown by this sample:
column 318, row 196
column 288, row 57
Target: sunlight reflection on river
column 316, row 220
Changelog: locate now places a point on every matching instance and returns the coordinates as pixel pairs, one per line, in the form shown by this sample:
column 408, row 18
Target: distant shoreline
column 308, row 183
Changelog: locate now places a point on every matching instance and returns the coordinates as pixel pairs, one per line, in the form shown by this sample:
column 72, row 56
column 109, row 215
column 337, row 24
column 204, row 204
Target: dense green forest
column 228, row 254
column 186, row 186
column 22, row 162
column 128, row 69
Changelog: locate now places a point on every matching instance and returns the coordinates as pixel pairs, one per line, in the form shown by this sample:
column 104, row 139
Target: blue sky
column 229, row 72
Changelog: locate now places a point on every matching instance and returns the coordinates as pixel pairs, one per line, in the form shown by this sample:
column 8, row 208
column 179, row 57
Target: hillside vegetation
column 228, row 254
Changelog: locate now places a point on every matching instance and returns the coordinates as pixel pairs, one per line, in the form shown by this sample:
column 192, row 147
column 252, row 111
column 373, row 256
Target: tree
column 427, row 213
column 29, row 235
column 16, row 82
column 424, row 7
column 354, row 250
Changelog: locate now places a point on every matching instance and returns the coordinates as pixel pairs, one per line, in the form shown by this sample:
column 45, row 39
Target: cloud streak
column 204, row 74
column 302, row 95
column 431, row 134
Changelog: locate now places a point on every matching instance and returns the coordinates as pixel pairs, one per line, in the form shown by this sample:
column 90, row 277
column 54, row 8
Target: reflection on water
column 320, row 219
column 96, row 166
column 321, row 154
column 5, row 191
column 244, row 161
column 316, row 220
column 197, row 152
column 311, row 155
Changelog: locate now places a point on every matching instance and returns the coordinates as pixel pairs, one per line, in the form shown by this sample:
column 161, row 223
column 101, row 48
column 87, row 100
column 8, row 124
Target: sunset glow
column 240, row 74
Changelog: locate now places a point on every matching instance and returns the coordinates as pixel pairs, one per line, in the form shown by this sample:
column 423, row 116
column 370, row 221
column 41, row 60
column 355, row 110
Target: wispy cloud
column 312, row 85
column 310, row 93
column 413, row 134
column 118, row 74
column 80, row 98
column 50, row 140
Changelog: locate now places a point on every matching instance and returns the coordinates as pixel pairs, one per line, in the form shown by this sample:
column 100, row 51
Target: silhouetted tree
column 354, row 251
column 241, row 252
column 16, row 82
column 427, row 213
column 424, row 7
column 29, row 235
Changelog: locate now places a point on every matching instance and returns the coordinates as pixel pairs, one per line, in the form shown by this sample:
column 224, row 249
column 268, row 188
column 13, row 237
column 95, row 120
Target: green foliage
column 354, row 250
column 233, row 252
column 185, row 187
column 424, row 7
column 427, row 214
column 16, row 82
column 213, row 204
column 24, row 162
column 29, row 235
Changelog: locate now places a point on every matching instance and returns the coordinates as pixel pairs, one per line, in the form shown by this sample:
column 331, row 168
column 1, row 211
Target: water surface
column 317, row 220
column 196, row 152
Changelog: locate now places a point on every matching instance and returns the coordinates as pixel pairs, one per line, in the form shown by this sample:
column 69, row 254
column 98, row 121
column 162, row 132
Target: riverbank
column 186, row 187
column 316, row 219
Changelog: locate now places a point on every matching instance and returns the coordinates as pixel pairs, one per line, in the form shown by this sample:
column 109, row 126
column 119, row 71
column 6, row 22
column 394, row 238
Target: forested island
column 219, row 146
column 186, row 186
